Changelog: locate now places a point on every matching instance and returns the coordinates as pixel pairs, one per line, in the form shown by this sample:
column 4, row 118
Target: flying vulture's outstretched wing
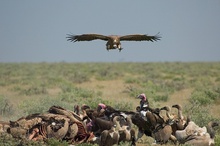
column 86, row 37
column 140, row 37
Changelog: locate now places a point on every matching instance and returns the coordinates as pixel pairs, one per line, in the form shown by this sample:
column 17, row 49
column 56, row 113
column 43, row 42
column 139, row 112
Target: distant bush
column 108, row 72
column 199, row 113
column 163, row 98
column 81, row 96
column 74, row 94
column 34, row 90
column 131, row 80
column 123, row 106
column 212, row 94
column 204, row 96
column 42, row 104
column 217, row 79
column 78, row 77
column 133, row 91
column 6, row 108
column 52, row 81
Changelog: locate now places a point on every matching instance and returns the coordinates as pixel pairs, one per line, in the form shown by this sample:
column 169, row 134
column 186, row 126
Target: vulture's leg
column 140, row 134
column 119, row 47
column 107, row 46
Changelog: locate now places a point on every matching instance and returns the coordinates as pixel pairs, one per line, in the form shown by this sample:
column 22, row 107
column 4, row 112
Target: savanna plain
column 27, row 88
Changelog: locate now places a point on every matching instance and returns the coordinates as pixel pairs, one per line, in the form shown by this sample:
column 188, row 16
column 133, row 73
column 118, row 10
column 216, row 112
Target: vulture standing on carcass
column 163, row 132
column 113, row 41
column 197, row 136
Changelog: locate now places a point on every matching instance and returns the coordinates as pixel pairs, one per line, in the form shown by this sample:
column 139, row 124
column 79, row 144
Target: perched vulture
column 113, row 41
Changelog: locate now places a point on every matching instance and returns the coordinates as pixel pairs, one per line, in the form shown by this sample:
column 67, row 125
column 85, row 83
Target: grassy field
column 27, row 88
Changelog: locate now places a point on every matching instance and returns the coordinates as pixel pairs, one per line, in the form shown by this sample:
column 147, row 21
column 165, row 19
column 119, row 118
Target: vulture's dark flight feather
column 113, row 41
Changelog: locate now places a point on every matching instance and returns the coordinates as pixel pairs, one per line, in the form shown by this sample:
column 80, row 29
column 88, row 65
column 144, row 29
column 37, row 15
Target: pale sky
column 36, row 30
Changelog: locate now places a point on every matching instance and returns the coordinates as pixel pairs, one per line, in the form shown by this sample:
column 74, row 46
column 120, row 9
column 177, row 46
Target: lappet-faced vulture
column 113, row 41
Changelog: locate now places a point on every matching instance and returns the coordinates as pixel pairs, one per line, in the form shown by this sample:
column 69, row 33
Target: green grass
column 27, row 88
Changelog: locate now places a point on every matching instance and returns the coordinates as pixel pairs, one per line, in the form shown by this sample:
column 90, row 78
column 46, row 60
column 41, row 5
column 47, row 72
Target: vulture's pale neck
column 116, row 122
column 76, row 109
column 211, row 130
column 180, row 112
column 129, row 122
column 168, row 112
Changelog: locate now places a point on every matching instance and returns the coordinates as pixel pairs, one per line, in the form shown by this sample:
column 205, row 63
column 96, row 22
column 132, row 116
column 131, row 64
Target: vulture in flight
column 113, row 41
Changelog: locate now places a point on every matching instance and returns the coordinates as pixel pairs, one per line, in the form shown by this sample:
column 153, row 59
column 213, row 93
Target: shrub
column 78, row 77
column 124, row 143
column 123, row 106
column 198, row 113
column 204, row 96
column 160, row 98
column 41, row 104
column 6, row 108
column 87, row 144
column 55, row 142
column 8, row 140
column 108, row 72
column 34, row 90
column 211, row 94
column 133, row 91
column 75, row 94
column 217, row 140
column 131, row 80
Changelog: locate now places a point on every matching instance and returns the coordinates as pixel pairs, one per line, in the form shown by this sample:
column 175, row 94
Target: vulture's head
column 84, row 107
column 213, row 124
column 166, row 108
column 142, row 96
column 177, row 106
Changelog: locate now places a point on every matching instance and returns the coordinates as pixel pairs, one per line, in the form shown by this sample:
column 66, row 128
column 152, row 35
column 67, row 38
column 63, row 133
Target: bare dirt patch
column 111, row 90
column 114, row 90
column 179, row 97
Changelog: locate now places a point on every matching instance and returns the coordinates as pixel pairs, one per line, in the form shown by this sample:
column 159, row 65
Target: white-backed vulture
column 181, row 122
column 113, row 41
column 109, row 137
column 70, row 114
column 82, row 134
column 180, row 113
column 195, row 135
column 168, row 117
column 202, row 137
column 190, row 129
column 81, row 114
column 58, row 128
column 126, row 132
column 163, row 132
